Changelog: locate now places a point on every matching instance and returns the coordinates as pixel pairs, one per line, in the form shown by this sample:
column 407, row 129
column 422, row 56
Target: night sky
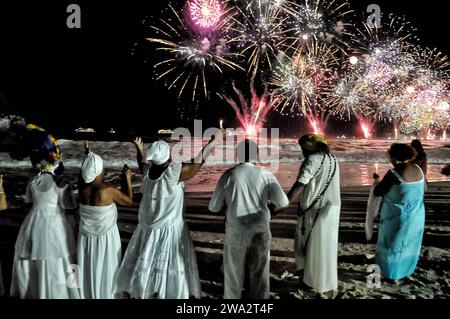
column 62, row 79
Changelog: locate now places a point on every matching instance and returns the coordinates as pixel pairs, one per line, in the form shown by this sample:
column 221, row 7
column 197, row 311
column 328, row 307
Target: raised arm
column 140, row 153
column 87, row 148
column 189, row 170
column 385, row 185
column 125, row 196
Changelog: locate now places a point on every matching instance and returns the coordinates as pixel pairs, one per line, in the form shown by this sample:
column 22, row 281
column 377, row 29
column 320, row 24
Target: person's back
column 248, row 189
column 162, row 198
column 402, row 216
column 45, row 236
column 160, row 260
column 99, row 244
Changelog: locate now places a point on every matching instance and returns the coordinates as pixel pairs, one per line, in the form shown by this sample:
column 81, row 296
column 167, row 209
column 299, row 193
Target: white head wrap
column 91, row 168
column 158, row 153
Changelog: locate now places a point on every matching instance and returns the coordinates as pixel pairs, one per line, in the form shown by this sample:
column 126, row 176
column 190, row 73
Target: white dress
column 99, row 251
column 160, row 260
column 320, row 261
column 45, row 250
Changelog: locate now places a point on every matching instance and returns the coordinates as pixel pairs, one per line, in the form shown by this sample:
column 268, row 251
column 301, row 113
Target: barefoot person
column 245, row 191
column 99, row 245
column 402, row 215
column 160, row 260
column 45, row 249
column 316, row 241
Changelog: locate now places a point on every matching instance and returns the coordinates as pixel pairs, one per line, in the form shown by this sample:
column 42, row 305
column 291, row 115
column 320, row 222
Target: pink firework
column 366, row 127
column 379, row 73
column 315, row 125
column 252, row 112
column 205, row 13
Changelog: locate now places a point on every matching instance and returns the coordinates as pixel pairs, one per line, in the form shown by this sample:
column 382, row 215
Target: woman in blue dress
column 402, row 219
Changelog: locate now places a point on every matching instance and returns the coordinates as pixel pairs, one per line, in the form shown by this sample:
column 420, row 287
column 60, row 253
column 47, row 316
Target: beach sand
column 431, row 279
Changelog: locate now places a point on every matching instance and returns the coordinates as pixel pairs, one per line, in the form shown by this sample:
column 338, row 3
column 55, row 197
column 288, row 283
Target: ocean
column 358, row 159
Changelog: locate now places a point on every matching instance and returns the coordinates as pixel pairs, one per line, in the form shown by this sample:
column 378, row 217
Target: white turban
column 91, row 168
column 158, row 153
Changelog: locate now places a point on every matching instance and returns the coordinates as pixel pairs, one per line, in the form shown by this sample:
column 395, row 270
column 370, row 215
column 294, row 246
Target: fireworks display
column 324, row 20
column 311, row 60
column 191, row 59
column 250, row 112
column 303, row 81
column 262, row 32
column 205, row 13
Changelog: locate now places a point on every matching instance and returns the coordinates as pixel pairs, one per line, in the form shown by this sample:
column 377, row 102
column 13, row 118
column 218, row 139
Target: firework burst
column 323, row 20
column 261, row 33
column 205, row 13
column 192, row 58
column 302, row 82
column 252, row 112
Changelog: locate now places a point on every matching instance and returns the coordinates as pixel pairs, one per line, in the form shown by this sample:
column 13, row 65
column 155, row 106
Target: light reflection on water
column 351, row 174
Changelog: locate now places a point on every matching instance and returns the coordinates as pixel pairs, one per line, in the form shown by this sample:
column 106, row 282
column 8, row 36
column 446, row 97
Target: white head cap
column 158, row 153
column 91, row 168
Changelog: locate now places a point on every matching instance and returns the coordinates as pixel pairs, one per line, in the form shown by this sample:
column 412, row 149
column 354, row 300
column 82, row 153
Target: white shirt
column 245, row 191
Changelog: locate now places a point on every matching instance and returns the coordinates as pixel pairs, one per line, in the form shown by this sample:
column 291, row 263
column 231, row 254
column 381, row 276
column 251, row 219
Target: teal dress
column 401, row 229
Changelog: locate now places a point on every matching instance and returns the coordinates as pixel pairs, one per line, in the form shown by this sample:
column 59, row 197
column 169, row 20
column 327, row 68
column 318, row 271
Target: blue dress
column 401, row 229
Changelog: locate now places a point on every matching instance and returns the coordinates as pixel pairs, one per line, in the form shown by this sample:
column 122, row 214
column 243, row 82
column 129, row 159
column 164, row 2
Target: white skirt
column 99, row 260
column 160, row 263
column 320, row 263
column 44, row 261
column 44, row 279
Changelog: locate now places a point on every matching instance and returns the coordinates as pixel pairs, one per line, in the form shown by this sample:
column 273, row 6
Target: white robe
column 160, row 260
column 245, row 191
column 99, row 251
column 45, row 250
column 320, row 262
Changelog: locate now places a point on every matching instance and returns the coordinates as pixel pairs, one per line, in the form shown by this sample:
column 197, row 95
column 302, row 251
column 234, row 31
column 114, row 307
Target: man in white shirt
column 246, row 191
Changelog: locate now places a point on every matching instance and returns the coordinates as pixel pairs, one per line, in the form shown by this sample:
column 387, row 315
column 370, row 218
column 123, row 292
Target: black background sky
column 62, row 78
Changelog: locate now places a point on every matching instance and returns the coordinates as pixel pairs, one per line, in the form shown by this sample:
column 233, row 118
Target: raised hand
column 139, row 144
column 87, row 148
column 127, row 172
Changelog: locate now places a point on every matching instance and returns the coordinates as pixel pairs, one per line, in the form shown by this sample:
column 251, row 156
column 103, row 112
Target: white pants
column 256, row 253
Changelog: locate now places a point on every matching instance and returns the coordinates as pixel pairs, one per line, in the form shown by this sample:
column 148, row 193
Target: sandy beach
column 431, row 279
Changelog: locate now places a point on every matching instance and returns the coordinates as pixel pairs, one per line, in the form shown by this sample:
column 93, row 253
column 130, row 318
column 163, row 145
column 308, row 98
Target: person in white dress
column 45, row 251
column 246, row 192
column 160, row 260
column 99, row 247
column 316, row 241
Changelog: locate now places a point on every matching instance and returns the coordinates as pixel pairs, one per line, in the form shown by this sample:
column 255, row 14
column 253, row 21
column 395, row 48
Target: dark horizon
column 62, row 79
